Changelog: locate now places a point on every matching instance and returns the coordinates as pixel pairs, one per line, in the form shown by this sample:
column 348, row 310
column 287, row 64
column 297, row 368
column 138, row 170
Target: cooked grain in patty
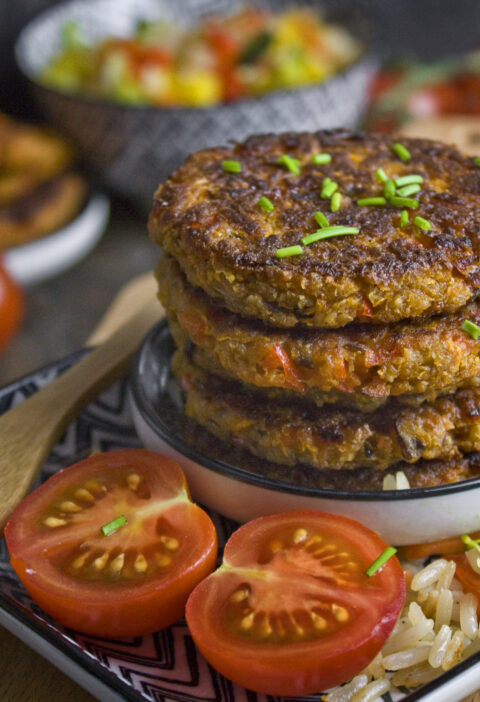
column 329, row 437
column 358, row 365
column 210, row 221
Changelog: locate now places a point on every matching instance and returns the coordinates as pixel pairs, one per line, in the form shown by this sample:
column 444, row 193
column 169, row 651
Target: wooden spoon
column 30, row 430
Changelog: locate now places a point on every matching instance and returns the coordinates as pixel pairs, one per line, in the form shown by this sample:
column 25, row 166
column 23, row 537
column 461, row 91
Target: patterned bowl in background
column 133, row 148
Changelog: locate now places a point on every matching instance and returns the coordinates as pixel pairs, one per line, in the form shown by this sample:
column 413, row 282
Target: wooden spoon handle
column 29, row 430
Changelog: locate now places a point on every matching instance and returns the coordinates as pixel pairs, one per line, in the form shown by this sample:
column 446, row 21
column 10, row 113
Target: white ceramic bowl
column 243, row 493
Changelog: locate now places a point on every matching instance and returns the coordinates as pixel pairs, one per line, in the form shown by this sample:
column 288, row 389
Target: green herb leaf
column 404, row 202
column 335, row 202
column 471, row 329
column 380, row 561
column 404, row 218
column 112, row 526
column 421, row 223
column 401, row 151
column 381, row 176
column 327, row 232
column 408, row 180
column 408, row 190
column 470, row 543
column 255, row 47
column 288, row 251
column 329, row 187
column 371, row 201
column 321, row 159
column 292, row 164
column 232, row 166
column 389, row 188
column 321, row 220
column 266, row 204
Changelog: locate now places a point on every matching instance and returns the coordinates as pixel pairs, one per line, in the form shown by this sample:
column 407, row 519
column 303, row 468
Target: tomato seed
column 247, row 622
column 170, row 542
column 118, row 562
column 299, row 535
column 318, row 622
column 239, row 595
column 340, row 613
column 162, row 559
column 133, row 481
column 79, row 562
column 54, row 522
column 69, row 506
column 140, row 564
column 82, row 494
column 100, row 562
column 276, row 546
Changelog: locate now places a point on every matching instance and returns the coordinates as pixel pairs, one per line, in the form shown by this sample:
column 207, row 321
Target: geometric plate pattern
column 162, row 667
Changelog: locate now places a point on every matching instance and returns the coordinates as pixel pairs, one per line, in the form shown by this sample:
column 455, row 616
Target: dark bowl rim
column 366, row 56
column 148, row 414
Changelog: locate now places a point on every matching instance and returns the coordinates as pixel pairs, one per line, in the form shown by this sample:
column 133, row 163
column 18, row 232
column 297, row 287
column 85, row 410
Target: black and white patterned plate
column 163, row 667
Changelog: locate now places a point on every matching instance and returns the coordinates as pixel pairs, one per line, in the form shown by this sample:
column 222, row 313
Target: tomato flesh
column 290, row 611
column 137, row 579
column 464, row 572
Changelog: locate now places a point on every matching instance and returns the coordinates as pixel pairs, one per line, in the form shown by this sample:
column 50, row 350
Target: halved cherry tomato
column 290, row 611
column 11, row 307
column 132, row 582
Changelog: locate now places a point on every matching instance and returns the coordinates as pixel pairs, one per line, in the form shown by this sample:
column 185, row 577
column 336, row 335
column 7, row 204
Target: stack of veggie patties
column 323, row 293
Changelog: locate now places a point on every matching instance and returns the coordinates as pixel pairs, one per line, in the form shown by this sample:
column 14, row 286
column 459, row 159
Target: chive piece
column 289, row 251
column 408, row 190
column 232, row 166
column 408, row 180
column 401, row 151
column 404, row 202
column 112, row 526
column 327, row 232
column 335, row 202
column 381, row 176
column 389, row 188
column 321, row 159
column 404, row 218
column 292, row 164
column 380, row 561
column 321, row 220
column 471, row 329
column 470, row 543
column 421, row 223
column 328, row 189
column 266, row 204
column 477, row 161
column 371, row 201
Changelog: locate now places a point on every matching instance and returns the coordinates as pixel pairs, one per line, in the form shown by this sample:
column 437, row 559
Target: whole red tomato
column 11, row 307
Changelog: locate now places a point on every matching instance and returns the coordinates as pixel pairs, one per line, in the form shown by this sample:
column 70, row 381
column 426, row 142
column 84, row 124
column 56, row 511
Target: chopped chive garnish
column 289, row 251
column 422, row 223
column 381, row 176
column 335, row 202
column 266, row 204
column 292, row 164
column 408, row 190
column 404, row 202
column 320, row 159
column 328, row 189
column 471, row 329
column 401, row 151
column 112, row 526
column 371, row 201
column 389, row 188
column 327, row 232
column 380, row 561
column 404, row 218
column 408, row 180
column 321, row 220
column 232, row 166
column 469, row 542
column 477, row 161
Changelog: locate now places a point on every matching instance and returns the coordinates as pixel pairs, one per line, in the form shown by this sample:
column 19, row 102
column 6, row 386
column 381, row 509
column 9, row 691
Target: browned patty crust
column 427, row 357
column 210, row 221
column 330, row 437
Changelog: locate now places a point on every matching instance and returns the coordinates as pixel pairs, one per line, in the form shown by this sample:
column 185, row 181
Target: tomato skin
column 11, row 307
column 128, row 606
column 309, row 665
column 466, row 575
